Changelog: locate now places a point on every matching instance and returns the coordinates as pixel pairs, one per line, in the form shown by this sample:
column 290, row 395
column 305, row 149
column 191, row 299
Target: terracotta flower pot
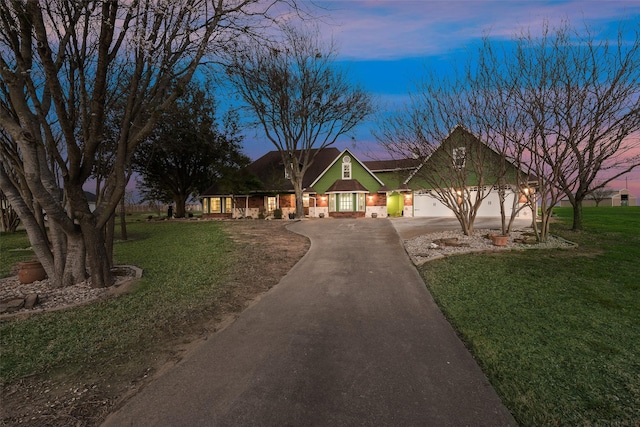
column 499, row 240
column 30, row 271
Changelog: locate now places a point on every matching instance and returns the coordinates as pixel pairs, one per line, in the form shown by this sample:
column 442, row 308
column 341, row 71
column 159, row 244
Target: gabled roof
column 345, row 151
column 270, row 169
column 459, row 129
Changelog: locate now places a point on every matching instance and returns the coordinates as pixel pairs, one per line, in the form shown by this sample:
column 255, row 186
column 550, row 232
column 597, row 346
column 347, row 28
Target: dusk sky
column 386, row 45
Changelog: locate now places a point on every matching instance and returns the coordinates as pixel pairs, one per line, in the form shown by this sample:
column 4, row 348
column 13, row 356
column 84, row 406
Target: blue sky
column 386, row 45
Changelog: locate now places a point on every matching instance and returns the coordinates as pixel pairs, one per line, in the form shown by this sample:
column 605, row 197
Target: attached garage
column 425, row 204
column 490, row 206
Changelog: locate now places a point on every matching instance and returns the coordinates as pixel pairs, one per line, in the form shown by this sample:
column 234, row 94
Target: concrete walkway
column 350, row 337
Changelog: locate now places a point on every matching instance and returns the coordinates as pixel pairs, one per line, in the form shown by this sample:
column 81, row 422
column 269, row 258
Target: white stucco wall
column 380, row 211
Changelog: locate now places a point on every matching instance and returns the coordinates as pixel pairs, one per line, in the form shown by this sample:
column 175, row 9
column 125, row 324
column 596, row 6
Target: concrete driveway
column 350, row 337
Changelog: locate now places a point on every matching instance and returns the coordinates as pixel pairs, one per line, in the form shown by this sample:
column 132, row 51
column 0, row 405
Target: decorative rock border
column 429, row 247
column 19, row 300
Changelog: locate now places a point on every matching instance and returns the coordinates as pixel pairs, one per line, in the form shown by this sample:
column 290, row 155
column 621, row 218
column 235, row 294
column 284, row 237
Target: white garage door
column 424, row 204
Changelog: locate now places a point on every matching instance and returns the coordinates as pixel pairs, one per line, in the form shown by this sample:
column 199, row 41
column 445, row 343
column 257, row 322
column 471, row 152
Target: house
column 339, row 184
column 606, row 198
column 469, row 167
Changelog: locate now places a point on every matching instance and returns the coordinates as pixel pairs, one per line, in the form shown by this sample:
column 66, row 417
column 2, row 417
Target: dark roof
column 347, row 185
column 391, row 165
column 270, row 169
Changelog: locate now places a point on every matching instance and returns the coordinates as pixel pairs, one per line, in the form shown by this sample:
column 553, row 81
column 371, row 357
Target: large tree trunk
column 109, row 236
column 577, row 215
column 297, row 186
column 74, row 270
column 181, row 200
column 97, row 256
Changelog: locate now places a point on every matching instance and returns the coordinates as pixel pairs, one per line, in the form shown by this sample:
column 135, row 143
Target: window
column 217, row 205
column 346, row 167
column 345, row 202
column 459, row 157
column 271, row 204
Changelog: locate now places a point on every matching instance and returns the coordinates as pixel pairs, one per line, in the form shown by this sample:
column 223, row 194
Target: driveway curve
column 349, row 337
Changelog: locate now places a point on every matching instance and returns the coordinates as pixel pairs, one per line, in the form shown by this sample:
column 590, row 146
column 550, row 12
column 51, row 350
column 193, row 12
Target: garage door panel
column 425, row 205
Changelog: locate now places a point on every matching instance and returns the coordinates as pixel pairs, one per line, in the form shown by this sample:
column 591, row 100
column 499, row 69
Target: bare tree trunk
column 74, row 269
column 97, row 256
column 299, row 198
column 577, row 215
column 180, row 200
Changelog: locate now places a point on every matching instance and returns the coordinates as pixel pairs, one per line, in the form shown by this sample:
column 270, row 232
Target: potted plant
column 31, row 271
column 499, row 239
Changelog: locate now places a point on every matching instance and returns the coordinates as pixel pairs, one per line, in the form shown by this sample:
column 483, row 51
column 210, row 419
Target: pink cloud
column 387, row 30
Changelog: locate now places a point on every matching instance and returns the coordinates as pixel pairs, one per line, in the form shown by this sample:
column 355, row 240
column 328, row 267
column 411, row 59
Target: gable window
column 459, row 157
column 346, row 167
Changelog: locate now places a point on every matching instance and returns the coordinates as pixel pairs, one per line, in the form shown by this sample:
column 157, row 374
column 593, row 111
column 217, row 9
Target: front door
column 395, row 204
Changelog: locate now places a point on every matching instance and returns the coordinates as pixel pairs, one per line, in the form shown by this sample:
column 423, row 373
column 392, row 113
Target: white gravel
column 422, row 248
column 50, row 298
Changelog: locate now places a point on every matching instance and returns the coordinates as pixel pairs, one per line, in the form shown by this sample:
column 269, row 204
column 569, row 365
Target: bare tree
column 60, row 62
column 440, row 127
column 562, row 109
column 583, row 96
column 501, row 124
column 302, row 101
column 599, row 194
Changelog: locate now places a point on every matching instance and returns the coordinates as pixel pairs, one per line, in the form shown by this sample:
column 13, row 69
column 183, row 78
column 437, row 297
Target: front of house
column 338, row 185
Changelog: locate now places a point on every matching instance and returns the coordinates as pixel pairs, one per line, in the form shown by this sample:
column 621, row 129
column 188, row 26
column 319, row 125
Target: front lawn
column 556, row 332
column 72, row 367
column 185, row 266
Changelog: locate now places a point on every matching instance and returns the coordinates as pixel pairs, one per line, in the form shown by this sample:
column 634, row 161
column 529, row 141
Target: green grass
column 14, row 247
column 186, row 267
column 558, row 331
